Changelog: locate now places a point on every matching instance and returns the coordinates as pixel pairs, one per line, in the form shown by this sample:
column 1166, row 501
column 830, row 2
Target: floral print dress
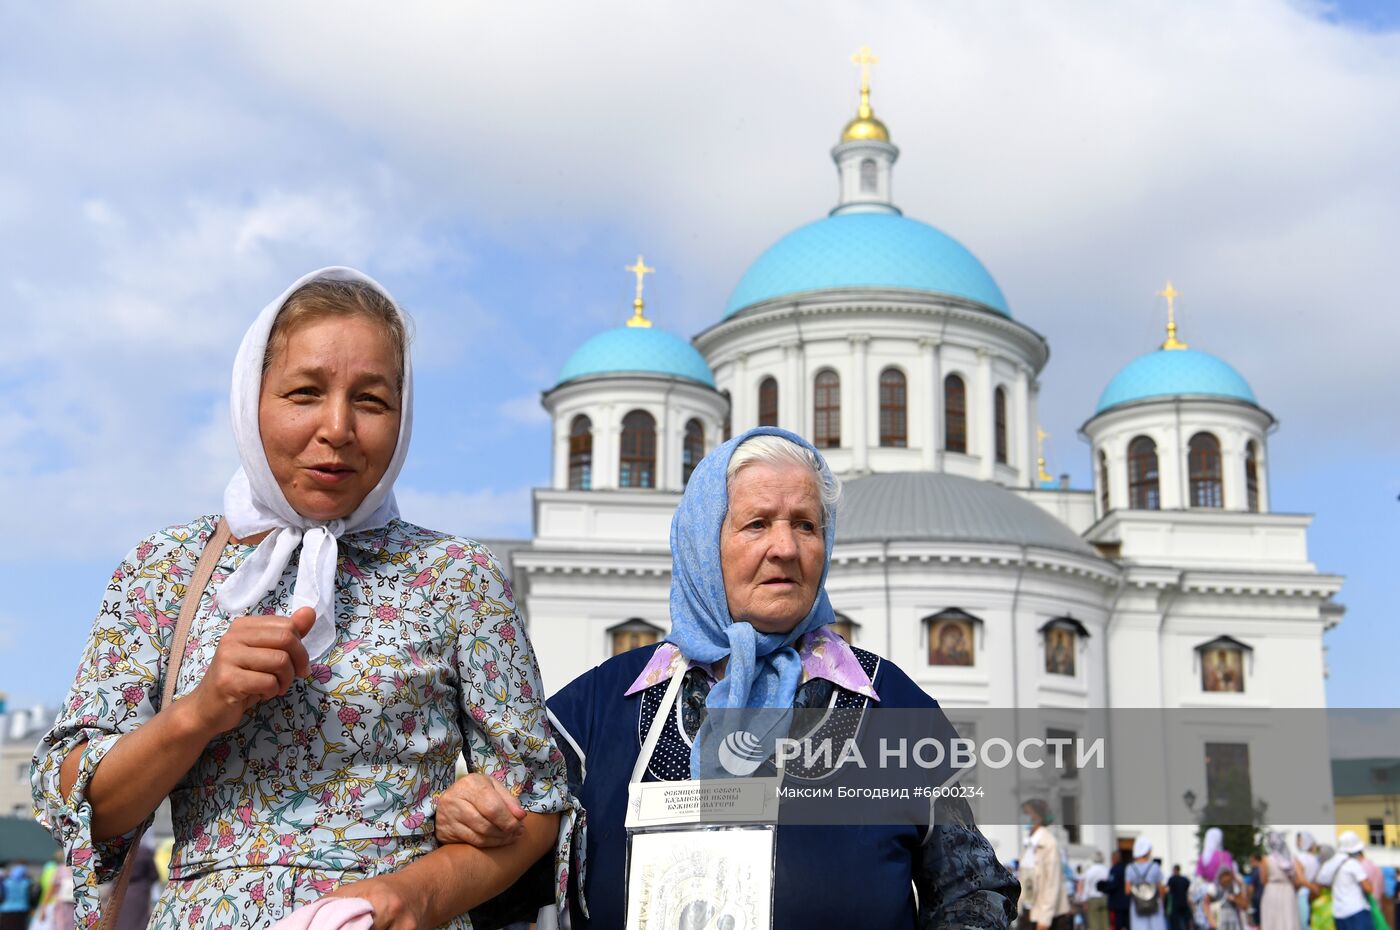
column 336, row 780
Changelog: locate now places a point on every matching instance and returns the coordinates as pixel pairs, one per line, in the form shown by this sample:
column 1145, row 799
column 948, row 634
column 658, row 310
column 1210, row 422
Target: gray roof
column 937, row 507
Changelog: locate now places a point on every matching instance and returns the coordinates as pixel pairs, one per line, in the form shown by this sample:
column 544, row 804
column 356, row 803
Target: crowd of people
column 1308, row 886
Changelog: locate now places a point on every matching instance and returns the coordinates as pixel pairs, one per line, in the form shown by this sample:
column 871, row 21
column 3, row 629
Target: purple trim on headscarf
column 823, row 653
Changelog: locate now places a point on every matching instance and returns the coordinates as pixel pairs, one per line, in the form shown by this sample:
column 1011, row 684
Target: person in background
column 1279, row 875
column 1146, row 889
column 136, row 906
column 1214, row 856
column 1373, row 875
column 1307, row 858
column 1228, row 903
column 1119, row 903
column 1255, row 886
column 1178, row 900
column 1349, row 884
column 1093, row 901
column 1044, row 903
column 15, row 902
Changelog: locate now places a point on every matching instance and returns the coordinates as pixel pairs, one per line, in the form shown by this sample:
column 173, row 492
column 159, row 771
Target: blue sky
column 168, row 171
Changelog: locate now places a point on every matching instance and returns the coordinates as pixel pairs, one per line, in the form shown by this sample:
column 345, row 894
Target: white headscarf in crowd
column 254, row 503
column 1141, row 847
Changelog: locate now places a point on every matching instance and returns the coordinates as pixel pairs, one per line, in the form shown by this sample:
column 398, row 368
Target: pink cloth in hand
column 330, row 914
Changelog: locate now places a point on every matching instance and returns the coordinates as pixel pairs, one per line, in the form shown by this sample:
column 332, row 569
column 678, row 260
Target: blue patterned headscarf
column 764, row 669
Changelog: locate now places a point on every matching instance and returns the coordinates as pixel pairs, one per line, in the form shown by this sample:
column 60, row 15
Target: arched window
column 1103, row 483
column 1144, row 492
column 638, row 458
column 894, row 409
column 768, row 402
column 693, row 450
column 954, row 414
column 580, row 453
column 868, row 180
column 633, row 634
column 826, row 410
column 999, row 411
column 1251, row 475
column 728, row 415
column 1203, row 465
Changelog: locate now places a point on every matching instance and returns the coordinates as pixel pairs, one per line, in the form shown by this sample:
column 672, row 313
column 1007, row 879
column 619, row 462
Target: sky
column 169, row 167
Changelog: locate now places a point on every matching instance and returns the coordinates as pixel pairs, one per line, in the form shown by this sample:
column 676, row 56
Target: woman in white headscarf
column 1281, row 875
column 1146, row 889
column 338, row 663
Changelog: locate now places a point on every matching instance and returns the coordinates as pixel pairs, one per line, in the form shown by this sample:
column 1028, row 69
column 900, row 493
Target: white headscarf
column 254, row 503
column 1141, row 847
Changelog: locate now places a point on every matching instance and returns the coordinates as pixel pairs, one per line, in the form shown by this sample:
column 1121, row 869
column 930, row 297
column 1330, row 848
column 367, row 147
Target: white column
column 860, row 416
column 1232, row 472
column 1028, row 433
column 607, row 441
column 668, row 465
column 933, row 396
column 1171, row 468
column 743, row 406
column 984, row 436
column 1261, row 468
column 793, row 417
column 561, row 452
column 1117, row 476
column 1016, row 429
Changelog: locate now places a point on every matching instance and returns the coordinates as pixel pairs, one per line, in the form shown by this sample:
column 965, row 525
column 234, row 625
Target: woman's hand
column 479, row 811
column 395, row 907
column 256, row 660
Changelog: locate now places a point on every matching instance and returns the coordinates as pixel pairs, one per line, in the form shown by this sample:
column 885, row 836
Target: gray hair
column 775, row 450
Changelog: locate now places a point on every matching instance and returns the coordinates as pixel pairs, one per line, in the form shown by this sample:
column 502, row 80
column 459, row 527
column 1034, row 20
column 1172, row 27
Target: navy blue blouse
column 827, row 876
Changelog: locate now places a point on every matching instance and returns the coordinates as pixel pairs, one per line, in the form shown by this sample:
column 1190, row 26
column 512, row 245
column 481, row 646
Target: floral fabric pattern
column 337, row 780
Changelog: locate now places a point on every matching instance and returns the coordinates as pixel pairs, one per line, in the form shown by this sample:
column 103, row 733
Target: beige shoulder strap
column 194, row 592
column 208, row 560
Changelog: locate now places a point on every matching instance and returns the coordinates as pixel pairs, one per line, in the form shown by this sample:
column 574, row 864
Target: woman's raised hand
column 256, row 660
column 479, row 811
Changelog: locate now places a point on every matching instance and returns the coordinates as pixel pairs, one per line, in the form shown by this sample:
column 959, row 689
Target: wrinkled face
column 329, row 413
column 771, row 547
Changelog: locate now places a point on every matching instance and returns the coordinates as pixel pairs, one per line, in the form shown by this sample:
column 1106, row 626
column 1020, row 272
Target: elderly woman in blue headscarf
column 750, row 629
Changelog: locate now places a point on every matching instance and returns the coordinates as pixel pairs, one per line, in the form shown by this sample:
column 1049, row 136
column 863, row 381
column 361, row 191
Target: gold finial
column 641, row 271
column 865, row 60
column 1171, row 294
column 1040, row 437
column 865, row 125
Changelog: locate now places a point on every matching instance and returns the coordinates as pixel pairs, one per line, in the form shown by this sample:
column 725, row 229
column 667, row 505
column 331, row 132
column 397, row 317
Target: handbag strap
column 194, row 593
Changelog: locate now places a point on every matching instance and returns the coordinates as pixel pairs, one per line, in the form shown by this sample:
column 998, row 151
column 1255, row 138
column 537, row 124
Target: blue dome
column 866, row 250
column 637, row 349
column 1171, row 373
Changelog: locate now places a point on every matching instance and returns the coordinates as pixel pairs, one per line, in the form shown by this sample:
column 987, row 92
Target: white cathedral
column 1170, row 584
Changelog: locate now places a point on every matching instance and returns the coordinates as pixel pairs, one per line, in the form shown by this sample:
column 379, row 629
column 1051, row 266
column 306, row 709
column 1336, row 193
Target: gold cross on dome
column 1171, row 294
column 865, row 60
column 1040, row 437
column 641, row 270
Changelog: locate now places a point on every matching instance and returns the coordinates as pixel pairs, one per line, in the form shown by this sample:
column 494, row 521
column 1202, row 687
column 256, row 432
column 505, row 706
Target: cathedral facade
column 1169, row 584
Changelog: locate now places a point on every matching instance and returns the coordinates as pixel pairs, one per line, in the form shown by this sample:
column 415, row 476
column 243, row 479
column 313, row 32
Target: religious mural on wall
column 1222, row 669
column 950, row 642
column 1059, row 651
